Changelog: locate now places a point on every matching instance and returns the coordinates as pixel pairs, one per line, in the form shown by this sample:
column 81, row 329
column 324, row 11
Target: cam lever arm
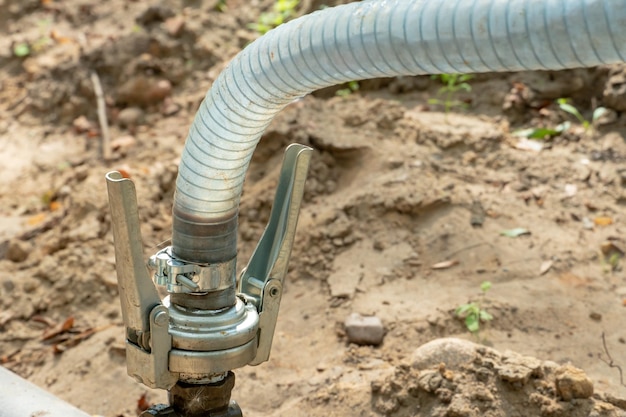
column 138, row 295
column 261, row 281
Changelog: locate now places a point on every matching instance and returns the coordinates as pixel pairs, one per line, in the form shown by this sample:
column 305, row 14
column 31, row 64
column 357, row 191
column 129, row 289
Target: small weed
column 21, row 49
column 452, row 84
column 543, row 133
column 472, row 313
column 24, row 49
column 282, row 11
column 221, row 6
column 565, row 105
column 352, row 87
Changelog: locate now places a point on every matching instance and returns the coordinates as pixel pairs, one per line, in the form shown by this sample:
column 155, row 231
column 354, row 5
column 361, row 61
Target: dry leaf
column 36, row 219
column 77, row 338
column 9, row 357
column 54, row 206
column 123, row 173
column 444, row 264
column 59, row 329
column 142, row 403
column 603, row 221
column 545, row 267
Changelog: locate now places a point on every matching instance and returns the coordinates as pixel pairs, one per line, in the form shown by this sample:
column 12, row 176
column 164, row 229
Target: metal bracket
column 261, row 281
column 151, row 368
column 138, row 295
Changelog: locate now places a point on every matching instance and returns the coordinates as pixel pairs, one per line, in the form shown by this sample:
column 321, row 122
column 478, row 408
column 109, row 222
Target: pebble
column 130, row 116
column 572, row 383
column 16, row 251
column 450, row 351
column 123, row 143
column 364, row 330
column 595, row 316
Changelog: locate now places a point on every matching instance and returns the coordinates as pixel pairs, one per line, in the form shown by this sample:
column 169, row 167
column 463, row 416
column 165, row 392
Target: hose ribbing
column 376, row 38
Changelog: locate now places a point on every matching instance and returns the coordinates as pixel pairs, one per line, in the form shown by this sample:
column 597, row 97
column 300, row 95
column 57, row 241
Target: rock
column 572, row 383
column 517, row 369
column 81, row 124
column 453, row 352
column 154, row 14
column 364, row 330
column 130, row 117
column 16, row 251
column 615, row 91
column 144, row 91
column 174, row 25
column 123, row 143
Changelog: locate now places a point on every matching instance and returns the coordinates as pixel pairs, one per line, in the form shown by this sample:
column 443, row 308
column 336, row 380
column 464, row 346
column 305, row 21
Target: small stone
column 123, row 143
column 595, row 316
column 572, row 383
column 169, row 107
column 450, row 351
column 81, row 124
column 364, row 330
column 615, row 90
column 17, row 251
column 174, row 25
column 130, row 117
column 394, row 163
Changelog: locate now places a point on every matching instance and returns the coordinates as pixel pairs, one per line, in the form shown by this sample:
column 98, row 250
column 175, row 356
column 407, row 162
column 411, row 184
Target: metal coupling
column 191, row 340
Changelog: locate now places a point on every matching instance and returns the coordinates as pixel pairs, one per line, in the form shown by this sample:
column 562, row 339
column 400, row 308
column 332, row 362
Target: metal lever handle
column 138, row 295
column 261, row 281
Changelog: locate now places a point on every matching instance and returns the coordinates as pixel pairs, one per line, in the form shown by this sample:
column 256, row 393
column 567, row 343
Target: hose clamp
column 180, row 276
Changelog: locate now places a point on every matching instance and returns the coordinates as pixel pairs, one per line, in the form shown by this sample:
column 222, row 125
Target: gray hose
column 20, row 398
column 376, row 38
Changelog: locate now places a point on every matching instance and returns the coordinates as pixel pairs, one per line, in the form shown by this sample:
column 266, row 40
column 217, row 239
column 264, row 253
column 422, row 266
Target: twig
column 102, row 116
column 610, row 362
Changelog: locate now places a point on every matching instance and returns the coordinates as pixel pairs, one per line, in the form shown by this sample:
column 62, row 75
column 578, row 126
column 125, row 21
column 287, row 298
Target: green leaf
column 598, row 112
column 542, row 132
column 485, row 286
column 518, row 231
column 566, row 107
column 353, row 85
column 562, row 127
column 484, row 316
column 21, row 50
column 472, row 324
column 462, row 310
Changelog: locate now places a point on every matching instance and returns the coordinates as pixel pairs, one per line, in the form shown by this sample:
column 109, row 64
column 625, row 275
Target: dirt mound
column 453, row 377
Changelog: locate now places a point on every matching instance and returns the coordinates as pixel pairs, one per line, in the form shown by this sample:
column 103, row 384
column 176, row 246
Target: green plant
column 452, row 84
column 21, row 49
column 565, row 105
column 352, row 87
column 473, row 313
column 542, row 133
column 221, row 6
column 282, row 11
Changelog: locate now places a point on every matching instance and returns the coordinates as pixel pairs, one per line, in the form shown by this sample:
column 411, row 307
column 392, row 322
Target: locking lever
column 261, row 282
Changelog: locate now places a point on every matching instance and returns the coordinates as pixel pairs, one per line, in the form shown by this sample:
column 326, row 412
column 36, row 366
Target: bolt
column 161, row 318
column 273, row 292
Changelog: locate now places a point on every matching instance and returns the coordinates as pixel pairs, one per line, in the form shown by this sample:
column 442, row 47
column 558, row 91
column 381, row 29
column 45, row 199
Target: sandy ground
column 403, row 218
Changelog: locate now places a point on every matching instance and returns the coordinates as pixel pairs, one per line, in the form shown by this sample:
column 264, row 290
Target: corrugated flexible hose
column 376, row 38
